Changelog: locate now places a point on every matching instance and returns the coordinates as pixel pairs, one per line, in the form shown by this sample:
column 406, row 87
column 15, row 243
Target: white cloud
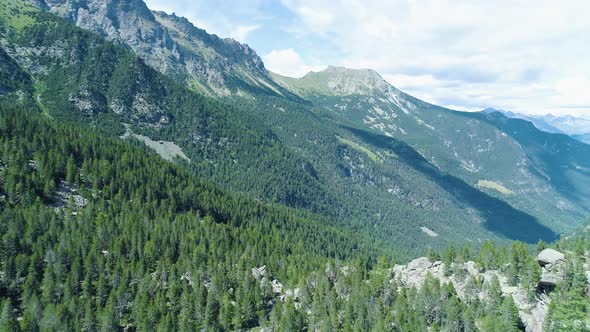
column 519, row 55
column 288, row 62
column 573, row 92
column 240, row 33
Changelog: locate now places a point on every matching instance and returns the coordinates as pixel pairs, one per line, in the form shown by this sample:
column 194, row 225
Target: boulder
column 471, row 268
column 415, row 272
column 259, row 272
column 419, row 264
column 549, row 257
column 509, row 290
column 550, row 279
column 277, row 287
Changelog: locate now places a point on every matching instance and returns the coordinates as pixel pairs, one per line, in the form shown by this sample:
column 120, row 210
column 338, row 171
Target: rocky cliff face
column 170, row 44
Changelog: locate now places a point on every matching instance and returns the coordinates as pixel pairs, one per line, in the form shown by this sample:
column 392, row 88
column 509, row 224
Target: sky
column 526, row 56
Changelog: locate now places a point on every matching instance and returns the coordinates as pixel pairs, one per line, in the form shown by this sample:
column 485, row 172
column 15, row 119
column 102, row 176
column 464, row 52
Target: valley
column 154, row 176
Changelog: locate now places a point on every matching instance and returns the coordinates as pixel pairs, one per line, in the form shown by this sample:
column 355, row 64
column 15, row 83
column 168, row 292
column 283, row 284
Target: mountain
column 575, row 127
column 569, row 124
column 348, row 177
column 288, row 207
column 538, row 121
column 337, row 81
column 341, row 144
column 478, row 151
column 171, row 44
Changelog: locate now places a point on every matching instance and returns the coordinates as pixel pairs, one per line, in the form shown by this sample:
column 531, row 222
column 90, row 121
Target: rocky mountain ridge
column 171, row 44
column 337, row 81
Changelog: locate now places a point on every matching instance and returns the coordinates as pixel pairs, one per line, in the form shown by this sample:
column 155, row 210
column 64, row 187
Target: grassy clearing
column 374, row 157
column 16, row 14
column 495, row 186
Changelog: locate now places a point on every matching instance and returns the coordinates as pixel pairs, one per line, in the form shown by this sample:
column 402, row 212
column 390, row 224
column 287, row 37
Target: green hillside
column 99, row 234
column 275, row 149
column 154, row 177
column 538, row 168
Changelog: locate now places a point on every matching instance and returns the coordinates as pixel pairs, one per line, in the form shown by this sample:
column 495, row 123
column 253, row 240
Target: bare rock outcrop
column 550, row 257
column 532, row 312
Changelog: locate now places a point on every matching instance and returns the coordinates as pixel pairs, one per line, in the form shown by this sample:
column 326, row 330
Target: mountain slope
column 171, row 44
column 281, row 150
column 99, row 234
column 538, row 121
column 482, row 153
column 80, row 78
column 561, row 160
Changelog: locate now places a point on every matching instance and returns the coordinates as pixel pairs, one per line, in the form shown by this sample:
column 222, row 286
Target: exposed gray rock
column 414, row 273
column 88, row 102
column 549, row 256
column 277, row 287
column 64, row 192
column 171, row 44
column 259, row 272
column 471, row 268
column 550, row 279
column 532, row 312
column 167, row 150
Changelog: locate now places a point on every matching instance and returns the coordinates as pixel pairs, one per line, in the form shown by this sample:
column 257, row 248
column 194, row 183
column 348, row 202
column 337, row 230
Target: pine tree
column 7, row 320
column 509, row 314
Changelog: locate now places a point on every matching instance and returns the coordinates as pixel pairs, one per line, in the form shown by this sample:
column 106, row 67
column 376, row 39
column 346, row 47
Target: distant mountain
column 469, row 147
column 334, row 81
column 538, row 121
column 583, row 137
column 569, row 124
column 576, row 127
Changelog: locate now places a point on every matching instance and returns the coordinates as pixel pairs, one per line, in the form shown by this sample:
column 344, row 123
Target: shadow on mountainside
column 500, row 217
column 555, row 157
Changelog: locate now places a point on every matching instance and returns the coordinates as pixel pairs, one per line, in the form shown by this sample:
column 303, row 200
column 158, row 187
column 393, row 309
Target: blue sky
column 529, row 56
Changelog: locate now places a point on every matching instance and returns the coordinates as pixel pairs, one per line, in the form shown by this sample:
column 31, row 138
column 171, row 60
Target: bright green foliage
column 570, row 306
column 273, row 148
column 151, row 238
column 157, row 249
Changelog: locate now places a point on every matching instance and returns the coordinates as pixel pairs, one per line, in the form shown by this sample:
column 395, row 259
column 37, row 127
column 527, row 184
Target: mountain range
column 341, row 143
column 278, row 203
column 576, row 127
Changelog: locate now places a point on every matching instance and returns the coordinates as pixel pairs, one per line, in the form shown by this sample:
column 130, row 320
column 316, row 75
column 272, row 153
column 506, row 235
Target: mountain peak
column 351, row 71
column 344, row 81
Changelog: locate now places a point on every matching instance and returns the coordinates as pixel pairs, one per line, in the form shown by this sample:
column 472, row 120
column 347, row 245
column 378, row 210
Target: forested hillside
column 154, row 177
column 533, row 171
column 275, row 149
column 98, row 234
